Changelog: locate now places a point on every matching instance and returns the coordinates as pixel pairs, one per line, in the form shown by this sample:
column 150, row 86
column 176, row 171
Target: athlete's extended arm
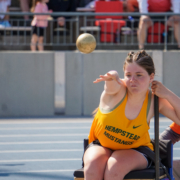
column 169, row 103
column 112, row 82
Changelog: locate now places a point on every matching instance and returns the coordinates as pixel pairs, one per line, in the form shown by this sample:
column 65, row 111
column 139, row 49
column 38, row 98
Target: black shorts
column 39, row 31
column 97, row 143
column 159, row 19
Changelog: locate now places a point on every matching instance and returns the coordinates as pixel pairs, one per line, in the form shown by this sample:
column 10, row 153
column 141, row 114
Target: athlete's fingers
column 110, row 75
column 107, row 78
column 97, row 80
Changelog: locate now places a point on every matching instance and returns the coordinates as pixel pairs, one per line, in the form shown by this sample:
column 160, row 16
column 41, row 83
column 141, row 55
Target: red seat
column 109, row 24
column 155, row 33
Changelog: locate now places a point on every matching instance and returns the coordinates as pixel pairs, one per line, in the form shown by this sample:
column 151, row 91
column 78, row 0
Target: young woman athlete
column 121, row 122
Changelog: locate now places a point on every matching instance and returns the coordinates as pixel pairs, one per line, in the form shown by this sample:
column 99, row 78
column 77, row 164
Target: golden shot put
column 86, row 43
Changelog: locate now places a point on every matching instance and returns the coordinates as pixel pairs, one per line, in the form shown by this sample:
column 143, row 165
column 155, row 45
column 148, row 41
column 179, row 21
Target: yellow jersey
column 115, row 131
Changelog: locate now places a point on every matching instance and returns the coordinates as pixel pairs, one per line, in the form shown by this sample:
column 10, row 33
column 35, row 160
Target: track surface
column 48, row 148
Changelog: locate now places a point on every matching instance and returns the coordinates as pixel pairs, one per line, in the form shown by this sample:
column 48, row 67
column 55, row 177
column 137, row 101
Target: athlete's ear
column 151, row 78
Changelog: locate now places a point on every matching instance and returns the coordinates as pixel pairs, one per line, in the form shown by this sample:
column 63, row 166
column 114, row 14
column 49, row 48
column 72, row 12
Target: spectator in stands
column 92, row 4
column 132, row 6
column 171, row 133
column 133, row 21
column 82, row 3
column 4, row 7
column 25, row 7
column 39, row 23
column 62, row 6
column 158, row 6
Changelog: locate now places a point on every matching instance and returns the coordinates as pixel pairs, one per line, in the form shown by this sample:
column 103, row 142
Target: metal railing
column 109, row 34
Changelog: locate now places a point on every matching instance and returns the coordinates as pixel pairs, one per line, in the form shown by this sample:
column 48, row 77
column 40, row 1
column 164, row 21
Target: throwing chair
column 161, row 167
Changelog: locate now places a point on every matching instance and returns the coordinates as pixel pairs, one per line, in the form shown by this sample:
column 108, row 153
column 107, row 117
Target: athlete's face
column 136, row 78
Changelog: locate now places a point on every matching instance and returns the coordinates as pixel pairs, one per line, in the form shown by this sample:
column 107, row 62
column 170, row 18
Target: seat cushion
column 110, row 26
column 138, row 174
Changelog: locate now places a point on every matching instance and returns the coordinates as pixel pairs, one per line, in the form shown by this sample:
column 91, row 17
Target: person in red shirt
column 145, row 22
column 132, row 6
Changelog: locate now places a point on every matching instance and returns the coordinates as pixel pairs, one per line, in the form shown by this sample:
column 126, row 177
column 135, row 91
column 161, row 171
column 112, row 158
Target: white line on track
column 152, row 133
column 39, row 135
column 43, row 128
column 38, row 171
column 48, row 160
column 45, row 135
column 37, row 151
column 176, row 158
column 49, row 150
column 49, row 135
column 41, row 142
column 59, row 121
column 48, row 128
column 46, row 142
column 39, row 160
column 152, row 127
column 45, row 121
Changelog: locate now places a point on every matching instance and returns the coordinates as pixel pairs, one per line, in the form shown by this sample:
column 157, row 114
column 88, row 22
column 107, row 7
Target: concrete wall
column 171, row 71
column 30, row 82
column 26, row 84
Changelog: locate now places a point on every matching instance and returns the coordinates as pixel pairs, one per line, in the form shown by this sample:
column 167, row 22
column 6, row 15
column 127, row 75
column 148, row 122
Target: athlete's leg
column 122, row 162
column 95, row 159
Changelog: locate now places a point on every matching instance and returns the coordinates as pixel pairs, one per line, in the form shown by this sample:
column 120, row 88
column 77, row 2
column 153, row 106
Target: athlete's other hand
column 159, row 89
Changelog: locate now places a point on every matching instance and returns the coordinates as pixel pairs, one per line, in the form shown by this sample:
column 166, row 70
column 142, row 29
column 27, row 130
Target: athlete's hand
column 159, row 89
column 110, row 76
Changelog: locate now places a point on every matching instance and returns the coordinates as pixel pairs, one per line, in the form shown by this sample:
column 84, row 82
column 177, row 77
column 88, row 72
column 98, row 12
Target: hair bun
column 130, row 53
column 143, row 53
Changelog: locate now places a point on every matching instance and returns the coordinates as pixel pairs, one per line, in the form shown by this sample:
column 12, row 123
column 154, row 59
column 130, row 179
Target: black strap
column 145, row 150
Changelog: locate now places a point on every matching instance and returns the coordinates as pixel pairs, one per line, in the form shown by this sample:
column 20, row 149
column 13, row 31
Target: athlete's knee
column 93, row 169
column 113, row 174
column 114, row 170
